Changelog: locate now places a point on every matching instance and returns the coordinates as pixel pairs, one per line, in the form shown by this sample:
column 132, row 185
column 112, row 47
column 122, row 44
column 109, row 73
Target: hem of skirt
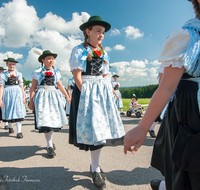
column 13, row 120
column 86, row 147
column 48, row 129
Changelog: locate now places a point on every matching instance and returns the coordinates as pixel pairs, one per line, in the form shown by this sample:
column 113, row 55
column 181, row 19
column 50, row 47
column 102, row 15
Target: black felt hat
column 115, row 75
column 45, row 54
column 1, row 68
column 10, row 60
column 134, row 96
column 95, row 20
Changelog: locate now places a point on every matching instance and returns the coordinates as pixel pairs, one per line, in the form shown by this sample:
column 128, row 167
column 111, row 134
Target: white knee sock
column 49, row 137
column 6, row 123
column 162, row 185
column 121, row 110
column 10, row 125
column 18, row 125
column 153, row 126
column 95, row 155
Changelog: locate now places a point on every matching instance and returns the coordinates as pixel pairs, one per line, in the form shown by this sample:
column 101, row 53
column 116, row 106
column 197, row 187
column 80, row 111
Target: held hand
column 136, row 137
column 31, row 106
column 24, row 100
column 1, row 103
column 69, row 99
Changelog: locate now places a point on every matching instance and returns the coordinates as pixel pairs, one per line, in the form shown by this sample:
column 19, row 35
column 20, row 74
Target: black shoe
column 6, row 127
column 19, row 135
column 100, row 171
column 11, row 130
column 122, row 113
column 152, row 134
column 155, row 184
column 50, row 152
column 98, row 180
column 54, row 146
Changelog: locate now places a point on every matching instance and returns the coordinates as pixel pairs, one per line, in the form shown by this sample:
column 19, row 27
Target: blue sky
column 134, row 42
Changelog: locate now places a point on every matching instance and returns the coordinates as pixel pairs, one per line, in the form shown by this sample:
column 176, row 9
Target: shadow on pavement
column 59, row 178
column 18, row 152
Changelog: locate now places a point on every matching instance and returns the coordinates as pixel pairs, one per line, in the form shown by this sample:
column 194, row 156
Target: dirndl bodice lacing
column 48, row 80
column 12, row 81
column 93, row 67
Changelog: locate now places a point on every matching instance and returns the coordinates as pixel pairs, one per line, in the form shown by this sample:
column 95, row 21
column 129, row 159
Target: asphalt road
column 24, row 164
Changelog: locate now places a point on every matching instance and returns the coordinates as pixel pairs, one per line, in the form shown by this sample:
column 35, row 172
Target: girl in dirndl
column 12, row 97
column 117, row 94
column 47, row 101
column 179, row 79
column 94, row 118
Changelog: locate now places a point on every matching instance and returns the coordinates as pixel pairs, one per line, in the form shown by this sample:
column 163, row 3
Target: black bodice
column 116, row 87
column 12, row 81
column 48, row 80
column 186, row 76
column 93, row 67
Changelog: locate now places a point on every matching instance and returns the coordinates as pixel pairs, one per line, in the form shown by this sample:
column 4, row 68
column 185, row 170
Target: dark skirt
column 0, row 114
column 13, row 120
column 188, row 111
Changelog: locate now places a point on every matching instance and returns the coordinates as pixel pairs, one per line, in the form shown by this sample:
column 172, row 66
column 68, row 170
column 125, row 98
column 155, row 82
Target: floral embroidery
column 48, row 73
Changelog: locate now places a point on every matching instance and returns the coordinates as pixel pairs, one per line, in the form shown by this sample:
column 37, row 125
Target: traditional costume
column 181, row 49
column 119, row 102
column 13, row 109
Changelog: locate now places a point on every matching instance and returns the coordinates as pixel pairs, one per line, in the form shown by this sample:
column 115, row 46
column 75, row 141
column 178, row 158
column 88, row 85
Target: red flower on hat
column 48, row 73
column 12, row 76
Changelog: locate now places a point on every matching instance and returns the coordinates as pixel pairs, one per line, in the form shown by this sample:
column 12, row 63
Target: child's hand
column 117, row 97
column 69, row 99
column 135, row 136
column 1, row 103
column 31, row 106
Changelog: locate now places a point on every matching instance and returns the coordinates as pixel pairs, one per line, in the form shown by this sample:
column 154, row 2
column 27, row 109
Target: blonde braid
column 196, row 7
column 101, row 47
column 89, row 58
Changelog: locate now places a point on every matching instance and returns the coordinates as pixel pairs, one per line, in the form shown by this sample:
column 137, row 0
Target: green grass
column 140, row 101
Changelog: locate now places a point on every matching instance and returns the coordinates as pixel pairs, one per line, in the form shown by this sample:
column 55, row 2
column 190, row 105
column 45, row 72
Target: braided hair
column 196, row 6
column 85, row 44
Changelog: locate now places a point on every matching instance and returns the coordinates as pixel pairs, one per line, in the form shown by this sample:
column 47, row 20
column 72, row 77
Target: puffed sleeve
column 105, row 68
column 174, row 48
column 20, row 79
column 57, row 75
column 3, row 79
column 78, row 59
column 36, row 74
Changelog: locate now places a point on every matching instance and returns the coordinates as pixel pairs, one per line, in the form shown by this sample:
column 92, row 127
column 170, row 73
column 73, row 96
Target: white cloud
column 108, row 49
column 155, row 62
column 133, row 33
column 138, row 64
column 114, row 32
column 54, row 22
column 154, row 73
column 119, row 47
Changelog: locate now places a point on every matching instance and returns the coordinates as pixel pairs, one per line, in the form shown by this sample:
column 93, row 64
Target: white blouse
column 174, row 48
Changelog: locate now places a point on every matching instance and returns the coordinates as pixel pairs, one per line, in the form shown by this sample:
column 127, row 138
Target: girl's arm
column 24, row 95
column 63, row 91
column 115, row 94
column 32, row 92
column 168, row 84
column 68, row 91
column 77, row 77
column 1, row 95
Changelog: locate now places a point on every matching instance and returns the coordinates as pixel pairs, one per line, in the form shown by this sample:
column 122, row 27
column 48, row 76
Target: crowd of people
column 92, row 101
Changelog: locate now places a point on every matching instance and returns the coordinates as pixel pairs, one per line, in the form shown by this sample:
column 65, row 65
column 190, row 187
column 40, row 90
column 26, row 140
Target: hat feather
column 37, row 51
